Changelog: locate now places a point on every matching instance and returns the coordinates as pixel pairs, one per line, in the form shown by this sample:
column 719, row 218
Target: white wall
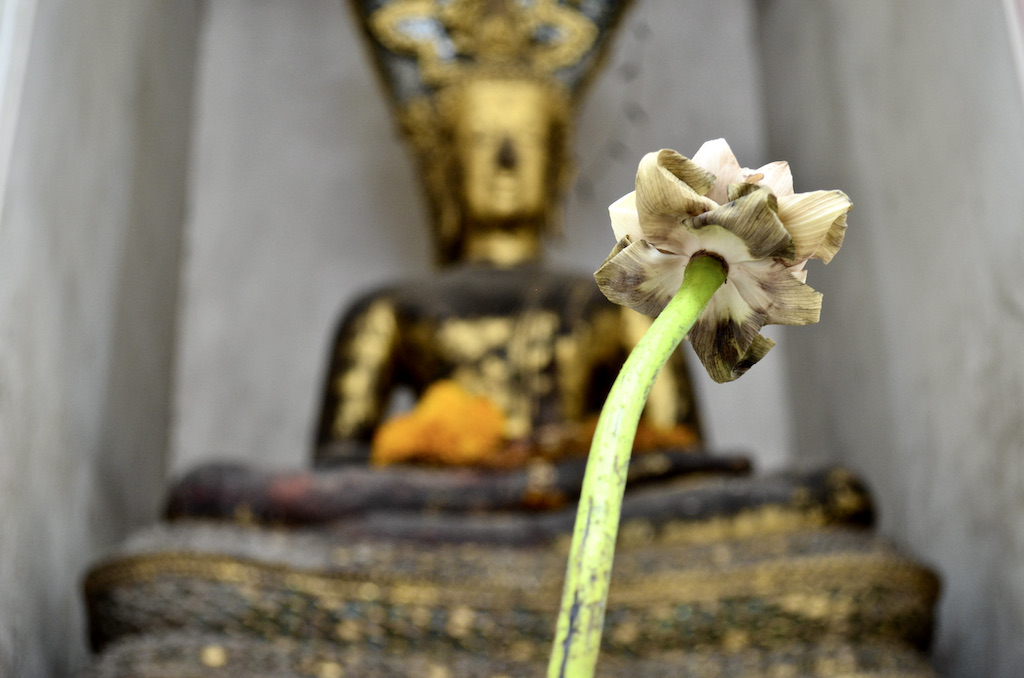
column 89, row 243
column 302, row 196
column 915, row 376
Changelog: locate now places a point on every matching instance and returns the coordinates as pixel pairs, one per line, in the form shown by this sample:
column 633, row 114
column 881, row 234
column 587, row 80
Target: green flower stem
column 581, row 618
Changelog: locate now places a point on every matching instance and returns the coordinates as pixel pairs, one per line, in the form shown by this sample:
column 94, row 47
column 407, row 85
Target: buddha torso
column 542, row 345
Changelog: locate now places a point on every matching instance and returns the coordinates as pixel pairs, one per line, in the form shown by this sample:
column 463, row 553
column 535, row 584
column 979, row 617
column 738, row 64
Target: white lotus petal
column 726, row 338
column 663, row 200
column 624, row 217
column 777, row 178
column 833, row 241
column 772, row 290
column 641, row 277
column 716, row 157
column 816, row 221
column 752, row 217
column 686, row 170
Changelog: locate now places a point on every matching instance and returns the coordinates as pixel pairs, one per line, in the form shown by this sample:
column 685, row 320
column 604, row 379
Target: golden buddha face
column 502, row 140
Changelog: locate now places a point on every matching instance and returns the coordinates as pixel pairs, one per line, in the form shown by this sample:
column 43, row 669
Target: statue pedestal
column 740, row 576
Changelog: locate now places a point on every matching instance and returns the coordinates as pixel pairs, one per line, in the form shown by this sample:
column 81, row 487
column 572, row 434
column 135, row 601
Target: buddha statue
column 492, row 143
column 542, row 345
column 450, row 565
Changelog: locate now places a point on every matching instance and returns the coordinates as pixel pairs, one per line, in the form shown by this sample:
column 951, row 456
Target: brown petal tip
column 686, row 170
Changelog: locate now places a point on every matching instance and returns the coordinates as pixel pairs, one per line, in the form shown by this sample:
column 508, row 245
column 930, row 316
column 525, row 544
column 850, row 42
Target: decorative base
column 713, row 577
column 176, row 655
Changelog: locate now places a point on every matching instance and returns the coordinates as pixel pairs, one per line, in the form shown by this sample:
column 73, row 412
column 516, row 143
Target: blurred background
column 193, row 191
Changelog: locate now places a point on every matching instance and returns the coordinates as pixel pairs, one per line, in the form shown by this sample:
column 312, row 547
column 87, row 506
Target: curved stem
column 588, row 574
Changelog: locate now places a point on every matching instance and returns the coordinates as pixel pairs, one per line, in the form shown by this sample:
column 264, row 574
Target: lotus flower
column 749, row 219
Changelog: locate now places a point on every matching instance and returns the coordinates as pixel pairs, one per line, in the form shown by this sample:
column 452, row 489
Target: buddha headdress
column 484, row 92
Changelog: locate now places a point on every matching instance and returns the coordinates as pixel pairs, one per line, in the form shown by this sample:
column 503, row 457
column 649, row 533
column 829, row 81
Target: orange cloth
column 449, row 425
